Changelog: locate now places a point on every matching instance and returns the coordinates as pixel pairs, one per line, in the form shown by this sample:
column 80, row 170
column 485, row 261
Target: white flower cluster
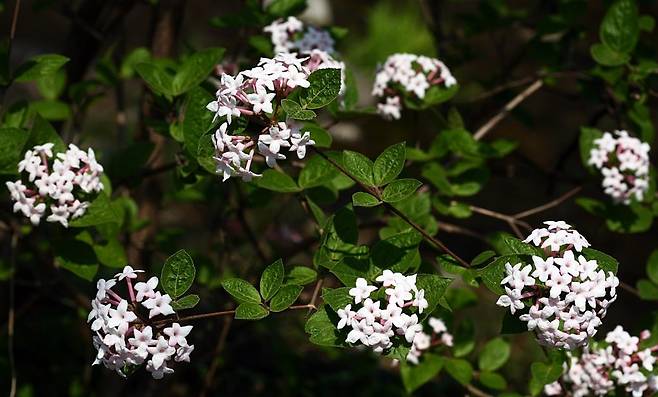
column 617, row 364
column 60, row 185
column 406, row 74
column 423, row 341
column 124, row 339
column 624, row 164
column 291, row 35
column 251, row 93
column 567, row 293
column 376, row 326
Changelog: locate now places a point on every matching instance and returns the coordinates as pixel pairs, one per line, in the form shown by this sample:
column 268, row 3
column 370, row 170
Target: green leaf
column 197, row 119
column 545, row 373
column 42, row 132
column 633, row 218
column 652, row 266
column 284, row 8
column 186, row 302
column 111, row 254
column 277, row 181
column 337, row 298
column 646, row 23
column 316, row 172
column 40, row 66
column 414, row 376
column 178, row 274
column 494, row 354
column 138, row 55
column 321, row 136
column 294, row 110
column 157, row 78
column 461, row 370
column 359, row 166
column 52, row 85
column 76, row 256
column 398, row 252
column 286, row 296
column 620, row 26
column 605, row 261
column 606, row 56
column 435, row 287
column 400, row 189
column 323, row 89
column 100, row 211
column 195, row 69
column 362, row 199
column 506, row 244
column 389, row 164
column 51, row 109
column 464, row 341
column 495, row 271
column 322, row 329
column 271, row 279
column 11, row 151
column 492, row 380
column 300, row 275
column 241, row 290
column 250, row 311
column 482, row 257
column 647, row 290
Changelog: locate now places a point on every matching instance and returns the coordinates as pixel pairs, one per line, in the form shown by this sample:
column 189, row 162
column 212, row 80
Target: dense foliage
column 305, row 209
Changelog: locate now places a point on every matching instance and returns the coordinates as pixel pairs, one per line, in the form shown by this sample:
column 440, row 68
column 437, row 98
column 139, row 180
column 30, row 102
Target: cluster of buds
column 624, row 163
column 424, row 341
column 567, row 294
column 606, row 367
column 380, row 323
column 61, row 186
column 126, row 339
column 291, row 35
column 407, row 75
column 253, row 93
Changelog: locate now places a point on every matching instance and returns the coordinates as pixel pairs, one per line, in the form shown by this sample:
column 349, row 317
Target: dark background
column 486, row 44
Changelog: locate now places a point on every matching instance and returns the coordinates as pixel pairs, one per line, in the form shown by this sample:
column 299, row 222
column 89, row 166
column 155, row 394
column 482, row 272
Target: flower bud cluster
column 124, row 339
column 252, row 93
column 407, row 74
column 378, row 323
column 624, row 163
column 567, row 294
column 619, row 363
column 423, row 341
column 291, row 35
column 61, row 185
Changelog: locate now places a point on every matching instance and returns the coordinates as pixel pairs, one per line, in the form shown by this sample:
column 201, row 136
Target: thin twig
column 316, row 292
column 14, row 21
column 510, row 219
column 482, row 131
column 550, row 204
column 629, row 289
column 221, row 342
column 432, row 240
column 475, row 391
column 457, row 229
column 11, row 315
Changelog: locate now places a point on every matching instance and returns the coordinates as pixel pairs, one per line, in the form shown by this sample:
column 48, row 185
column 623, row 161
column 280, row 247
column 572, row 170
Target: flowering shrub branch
column 240, row 156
